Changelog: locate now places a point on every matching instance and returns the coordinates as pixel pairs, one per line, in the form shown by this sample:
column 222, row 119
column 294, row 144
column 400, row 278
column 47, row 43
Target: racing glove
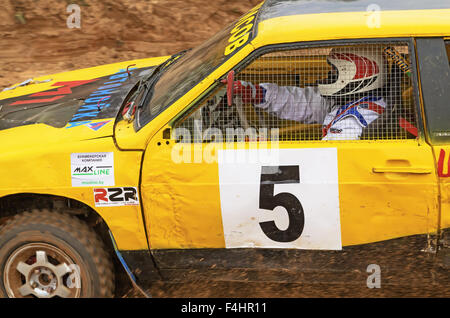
column 250, row 94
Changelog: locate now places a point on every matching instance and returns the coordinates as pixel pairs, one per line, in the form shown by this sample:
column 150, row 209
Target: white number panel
column 290, row 202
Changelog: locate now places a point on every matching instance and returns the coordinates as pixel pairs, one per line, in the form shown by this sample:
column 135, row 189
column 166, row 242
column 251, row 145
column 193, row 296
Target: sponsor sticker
column 92, row 169
column 123, row 196
column 240, row 35
column 94, row 125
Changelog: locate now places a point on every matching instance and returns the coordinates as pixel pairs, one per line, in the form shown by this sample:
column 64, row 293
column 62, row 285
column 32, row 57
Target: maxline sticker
column 116, row 196
column 92, row 169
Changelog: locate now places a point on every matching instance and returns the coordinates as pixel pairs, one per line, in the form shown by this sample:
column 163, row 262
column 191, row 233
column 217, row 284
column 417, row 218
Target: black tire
column 61, row 238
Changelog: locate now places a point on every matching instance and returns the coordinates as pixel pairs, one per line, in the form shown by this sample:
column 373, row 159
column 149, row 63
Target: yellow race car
column 306, row 142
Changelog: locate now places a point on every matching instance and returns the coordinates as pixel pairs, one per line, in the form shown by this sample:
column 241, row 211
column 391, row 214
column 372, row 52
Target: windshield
column 182, row 76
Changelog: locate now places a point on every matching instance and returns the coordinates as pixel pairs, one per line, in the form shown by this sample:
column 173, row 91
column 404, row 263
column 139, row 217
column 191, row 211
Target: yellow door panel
column 387, row 190
column 181, row 200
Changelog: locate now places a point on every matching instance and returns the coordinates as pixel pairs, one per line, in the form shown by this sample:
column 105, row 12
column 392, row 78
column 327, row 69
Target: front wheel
column 48, row 254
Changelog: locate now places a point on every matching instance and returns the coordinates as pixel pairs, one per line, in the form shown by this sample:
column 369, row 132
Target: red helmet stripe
column 364, row 67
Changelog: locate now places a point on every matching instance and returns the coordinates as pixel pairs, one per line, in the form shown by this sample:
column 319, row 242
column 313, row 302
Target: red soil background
column 36, row 41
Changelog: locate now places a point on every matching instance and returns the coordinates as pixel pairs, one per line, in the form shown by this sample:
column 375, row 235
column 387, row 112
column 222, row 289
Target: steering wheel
column 243, row 110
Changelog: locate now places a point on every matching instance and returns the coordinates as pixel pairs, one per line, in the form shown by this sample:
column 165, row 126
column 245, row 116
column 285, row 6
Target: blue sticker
column 97, row 126
column 88, row 123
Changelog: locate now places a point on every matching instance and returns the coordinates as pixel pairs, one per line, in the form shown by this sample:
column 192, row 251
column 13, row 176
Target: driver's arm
column 304, row 105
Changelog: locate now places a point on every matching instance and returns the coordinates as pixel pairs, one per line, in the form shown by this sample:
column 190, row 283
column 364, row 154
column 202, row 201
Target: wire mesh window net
column 324, row 93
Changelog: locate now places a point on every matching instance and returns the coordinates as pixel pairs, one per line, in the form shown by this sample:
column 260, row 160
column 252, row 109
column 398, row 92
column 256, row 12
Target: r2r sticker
column 293, row 203
column 116, row 196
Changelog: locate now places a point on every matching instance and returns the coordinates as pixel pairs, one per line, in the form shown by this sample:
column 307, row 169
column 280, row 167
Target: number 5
column 271, row 175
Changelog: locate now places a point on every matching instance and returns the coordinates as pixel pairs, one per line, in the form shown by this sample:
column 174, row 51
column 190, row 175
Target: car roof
column 278, row 8
column 284, row 21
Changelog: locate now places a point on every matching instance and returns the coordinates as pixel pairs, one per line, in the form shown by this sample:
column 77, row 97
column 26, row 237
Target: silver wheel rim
column 41, row 270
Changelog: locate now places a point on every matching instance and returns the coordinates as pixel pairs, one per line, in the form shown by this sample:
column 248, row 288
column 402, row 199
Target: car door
column 228, row 185
column 434, row 61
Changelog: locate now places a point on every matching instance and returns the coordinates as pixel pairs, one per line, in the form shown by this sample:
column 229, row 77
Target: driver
column 345, row 103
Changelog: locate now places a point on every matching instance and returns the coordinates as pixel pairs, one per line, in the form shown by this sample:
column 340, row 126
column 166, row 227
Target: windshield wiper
column 145, row 85
column 148, row 82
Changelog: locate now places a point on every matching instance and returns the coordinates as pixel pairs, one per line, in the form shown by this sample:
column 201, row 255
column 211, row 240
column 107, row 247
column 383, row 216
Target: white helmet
column 355, row 70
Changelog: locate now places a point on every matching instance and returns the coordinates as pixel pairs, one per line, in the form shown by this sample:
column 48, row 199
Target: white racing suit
column 306, row 105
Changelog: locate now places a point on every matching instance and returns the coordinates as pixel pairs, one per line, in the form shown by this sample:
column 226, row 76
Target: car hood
column 90, row 98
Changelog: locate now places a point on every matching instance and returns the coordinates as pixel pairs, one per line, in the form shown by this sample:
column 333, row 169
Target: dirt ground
column 203, row 289
column 36, row 41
